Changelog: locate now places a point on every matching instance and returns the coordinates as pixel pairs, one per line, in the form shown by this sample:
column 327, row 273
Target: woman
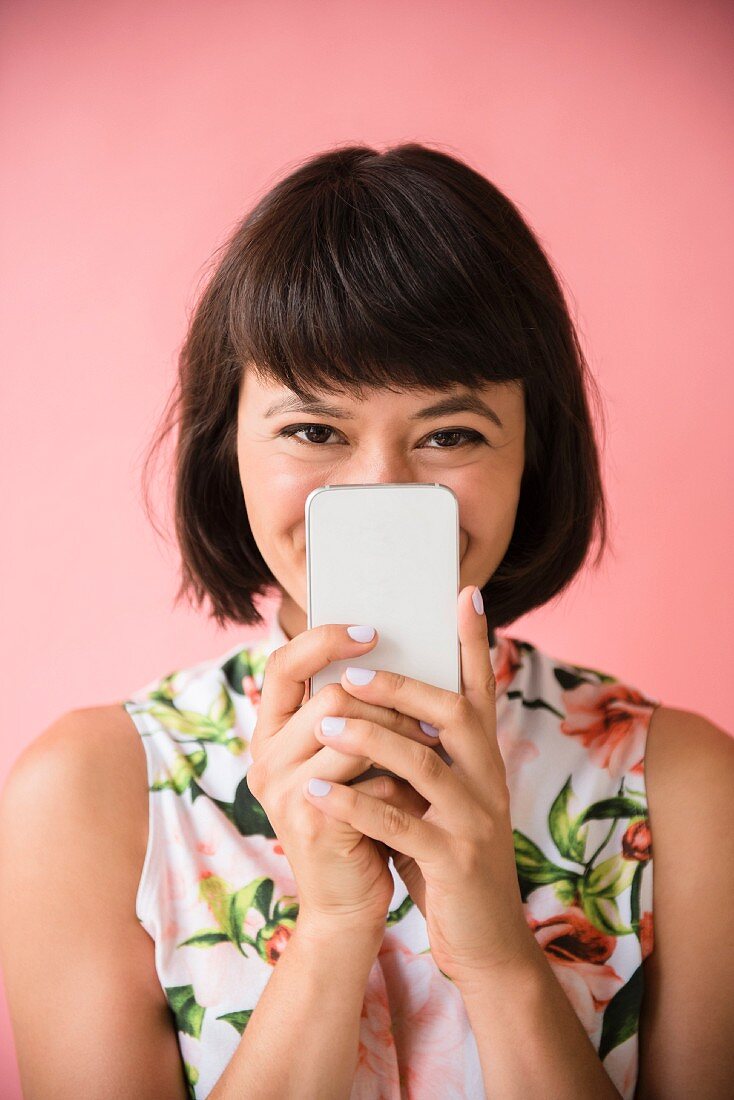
column 184, row 911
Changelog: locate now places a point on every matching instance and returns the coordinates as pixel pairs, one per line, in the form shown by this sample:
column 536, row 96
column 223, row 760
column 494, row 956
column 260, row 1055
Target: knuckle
column 275, row 660
column 394, row 820
column 398, row 681
column 489, row 684
column 385, row 787
column 462, row 709
column 429, row 765
column 331, row 697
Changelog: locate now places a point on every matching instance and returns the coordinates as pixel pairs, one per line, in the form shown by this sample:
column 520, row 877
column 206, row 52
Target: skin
column 380, row 444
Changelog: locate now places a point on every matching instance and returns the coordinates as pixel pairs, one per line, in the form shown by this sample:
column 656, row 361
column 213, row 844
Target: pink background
column 134, row 135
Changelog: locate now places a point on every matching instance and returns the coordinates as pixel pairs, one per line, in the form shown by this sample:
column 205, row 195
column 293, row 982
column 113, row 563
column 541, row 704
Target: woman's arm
column 302, row 1038
column 687, row 1023
column 89, row 1017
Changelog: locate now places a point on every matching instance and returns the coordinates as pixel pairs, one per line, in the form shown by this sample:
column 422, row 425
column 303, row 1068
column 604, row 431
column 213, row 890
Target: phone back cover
column 387, row 555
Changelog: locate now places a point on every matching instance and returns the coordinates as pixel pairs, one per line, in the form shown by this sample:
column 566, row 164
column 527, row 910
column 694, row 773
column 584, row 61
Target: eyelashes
column 471, row 437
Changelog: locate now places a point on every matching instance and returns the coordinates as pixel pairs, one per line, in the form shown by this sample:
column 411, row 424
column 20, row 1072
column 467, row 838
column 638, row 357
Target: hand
column 340, row 872
column 458, row 856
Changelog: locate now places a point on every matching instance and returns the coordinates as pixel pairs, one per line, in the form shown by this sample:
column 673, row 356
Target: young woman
column 199, row 893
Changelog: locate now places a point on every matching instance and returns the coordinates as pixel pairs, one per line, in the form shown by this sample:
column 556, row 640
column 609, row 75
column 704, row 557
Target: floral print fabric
column 218, row 898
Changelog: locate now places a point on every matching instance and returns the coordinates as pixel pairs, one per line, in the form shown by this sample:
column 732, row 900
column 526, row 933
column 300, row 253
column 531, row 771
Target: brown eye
column 293, row 429
column 472, row 437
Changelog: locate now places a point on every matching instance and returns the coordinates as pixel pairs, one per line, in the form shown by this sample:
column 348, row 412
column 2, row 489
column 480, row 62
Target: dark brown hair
column 382, row 269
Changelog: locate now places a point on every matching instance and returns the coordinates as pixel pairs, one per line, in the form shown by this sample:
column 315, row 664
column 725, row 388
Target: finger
column 419, row 765
column 477, row 674
column 396, row 828
column 289, row 667
column 395, row 791
column 404, row 797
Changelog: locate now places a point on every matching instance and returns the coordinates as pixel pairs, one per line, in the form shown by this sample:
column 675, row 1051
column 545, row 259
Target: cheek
column 487, row 510
column 276, row 499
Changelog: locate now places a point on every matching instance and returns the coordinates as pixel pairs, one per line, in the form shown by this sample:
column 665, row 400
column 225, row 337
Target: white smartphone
column 387, row 555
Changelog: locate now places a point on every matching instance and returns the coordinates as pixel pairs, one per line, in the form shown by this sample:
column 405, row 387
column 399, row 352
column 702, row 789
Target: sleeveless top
column 219, row 899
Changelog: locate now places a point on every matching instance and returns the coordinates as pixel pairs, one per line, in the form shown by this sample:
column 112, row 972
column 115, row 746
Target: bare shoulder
column 73, row 835
column 672, row 730
column 688, row 1003
column 90, row 761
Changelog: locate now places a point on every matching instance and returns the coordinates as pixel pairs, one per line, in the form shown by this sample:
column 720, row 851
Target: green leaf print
column 622, row 1014
column 598, row 889
column 571, row 680
column 222, row 711
column 610, row 878
column 287, row 906
column 230, row 909
column 258, row 894
column 192, row 1076
column 189, row 1015
column 533, row 865
column 207, row 938
column 615, row 808
column 565, row 830
column 604, row 914
column 603, row 677
column 635, row 898
column 400, row 911
column 187, row 766
column 214, row 727
column 238, row 1020
column 248, row 815
column 245, row 663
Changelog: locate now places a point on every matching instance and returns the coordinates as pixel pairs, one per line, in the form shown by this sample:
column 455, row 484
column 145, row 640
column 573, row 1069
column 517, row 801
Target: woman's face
column 385, row 437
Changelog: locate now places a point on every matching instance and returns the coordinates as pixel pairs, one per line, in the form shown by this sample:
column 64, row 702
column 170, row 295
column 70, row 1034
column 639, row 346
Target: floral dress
column 218, row 897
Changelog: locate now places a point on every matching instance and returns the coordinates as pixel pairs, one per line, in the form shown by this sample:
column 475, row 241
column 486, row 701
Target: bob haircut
column 398, row 269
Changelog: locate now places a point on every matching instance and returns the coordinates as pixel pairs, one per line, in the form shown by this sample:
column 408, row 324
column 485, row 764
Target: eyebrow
column 455, row 404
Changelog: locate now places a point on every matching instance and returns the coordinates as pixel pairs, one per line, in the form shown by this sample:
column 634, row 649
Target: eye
column 471, row 438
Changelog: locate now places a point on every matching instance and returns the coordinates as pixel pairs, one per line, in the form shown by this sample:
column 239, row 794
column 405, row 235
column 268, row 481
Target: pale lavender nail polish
column 361, row 633
column 432, row 731
column 332, row 726
column 318, row 786
column 476, row 599
column 360, row 676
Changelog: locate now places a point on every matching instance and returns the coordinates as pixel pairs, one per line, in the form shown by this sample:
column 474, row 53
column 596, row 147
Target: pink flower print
column 647, row 938
column 429, row 1023
column 578, row 953
column 506, row 663
column 251, row 690
column 622, row 1065
column 611, row 720
column 376, row 1073
column 516, row 752
column 570, row 935
column 637, row 842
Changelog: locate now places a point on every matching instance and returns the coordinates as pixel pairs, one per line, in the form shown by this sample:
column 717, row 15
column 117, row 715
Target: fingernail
column 432, row 731
column 360, row 676
column 318, row 786
column 476, row 599
column 331, row 726
column 361, row 633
